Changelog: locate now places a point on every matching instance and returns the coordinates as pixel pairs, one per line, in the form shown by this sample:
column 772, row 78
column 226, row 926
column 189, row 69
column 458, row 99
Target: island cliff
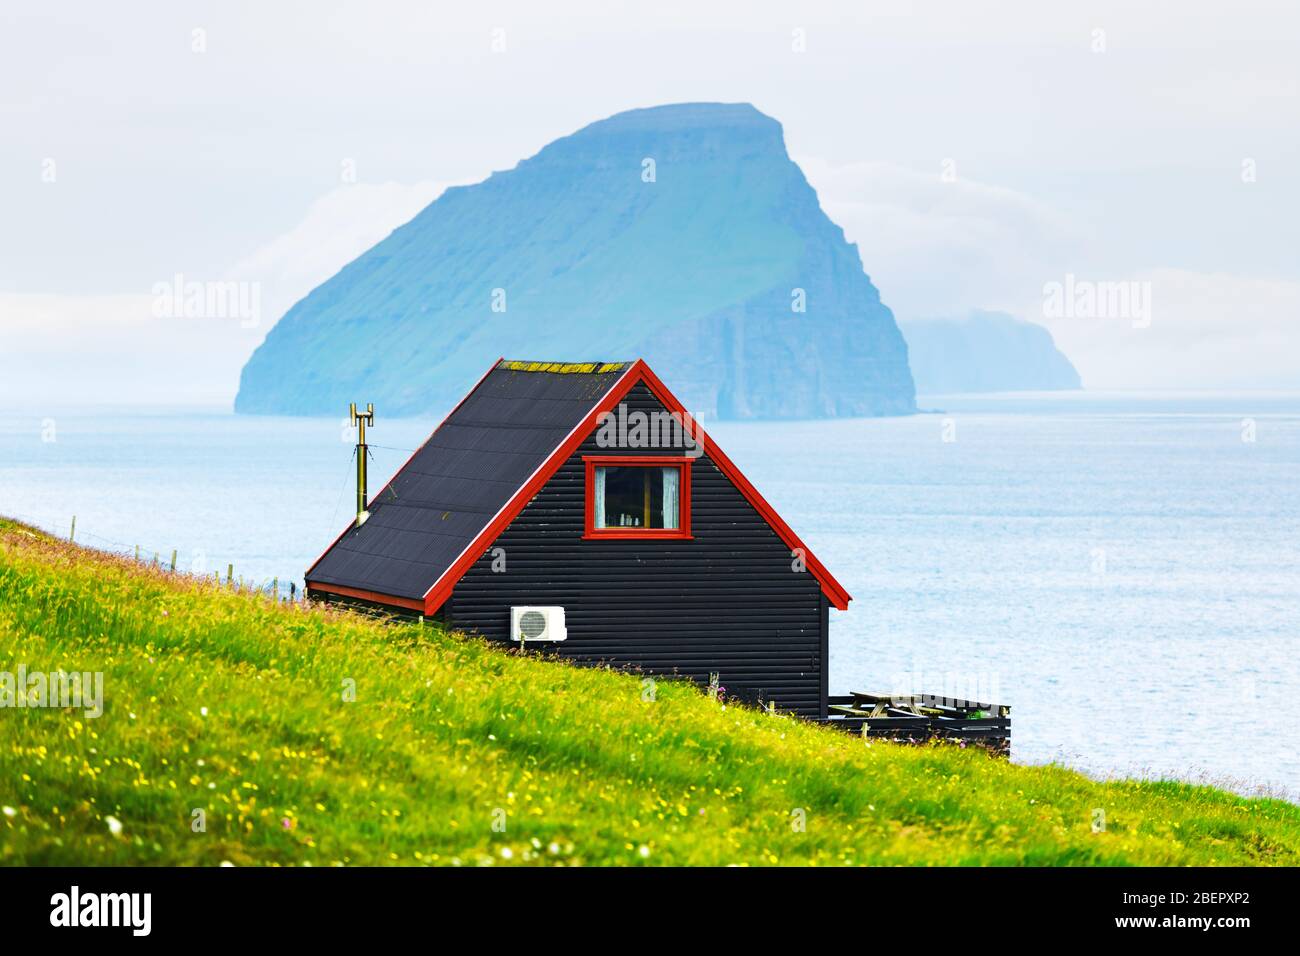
column 682, row 234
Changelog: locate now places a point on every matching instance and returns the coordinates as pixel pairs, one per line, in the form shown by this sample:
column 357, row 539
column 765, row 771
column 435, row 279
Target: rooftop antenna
column 361, row 420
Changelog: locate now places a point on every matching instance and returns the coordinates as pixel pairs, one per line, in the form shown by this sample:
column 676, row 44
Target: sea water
column 1123, row 570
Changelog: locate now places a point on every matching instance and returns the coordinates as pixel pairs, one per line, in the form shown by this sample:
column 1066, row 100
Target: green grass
column 233, row 704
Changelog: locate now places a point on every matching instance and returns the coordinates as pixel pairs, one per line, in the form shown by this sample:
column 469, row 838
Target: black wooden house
column 587, row 487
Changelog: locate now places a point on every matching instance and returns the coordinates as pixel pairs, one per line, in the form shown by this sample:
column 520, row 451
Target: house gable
column 638, row 375
column 438, row 516
column 731, row 599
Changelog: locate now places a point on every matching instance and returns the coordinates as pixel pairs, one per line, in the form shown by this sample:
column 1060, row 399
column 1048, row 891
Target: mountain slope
column 456, row 751
column 985, row 352
column 696, row 271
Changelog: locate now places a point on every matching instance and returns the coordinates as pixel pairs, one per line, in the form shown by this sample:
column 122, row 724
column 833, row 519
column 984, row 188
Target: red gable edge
column 441, row 589
column 833, row 590
column 437, row 595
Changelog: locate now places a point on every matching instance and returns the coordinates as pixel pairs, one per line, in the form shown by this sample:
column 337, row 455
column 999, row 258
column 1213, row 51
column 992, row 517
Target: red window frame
column 682, row 464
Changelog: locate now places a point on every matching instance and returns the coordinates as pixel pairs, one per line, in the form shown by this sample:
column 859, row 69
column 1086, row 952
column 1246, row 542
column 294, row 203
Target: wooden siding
column 727, row 601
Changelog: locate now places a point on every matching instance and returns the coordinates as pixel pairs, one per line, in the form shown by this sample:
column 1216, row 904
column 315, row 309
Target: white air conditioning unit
column 537, row 624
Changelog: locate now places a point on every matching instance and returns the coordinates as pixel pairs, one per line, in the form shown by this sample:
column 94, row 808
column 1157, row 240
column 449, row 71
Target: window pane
column 669, row 510
column 632, row 496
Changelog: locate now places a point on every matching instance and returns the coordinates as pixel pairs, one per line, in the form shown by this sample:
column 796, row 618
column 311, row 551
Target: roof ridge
column 562, row 368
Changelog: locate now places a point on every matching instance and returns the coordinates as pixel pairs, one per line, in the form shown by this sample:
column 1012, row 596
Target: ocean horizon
column 1119, row 567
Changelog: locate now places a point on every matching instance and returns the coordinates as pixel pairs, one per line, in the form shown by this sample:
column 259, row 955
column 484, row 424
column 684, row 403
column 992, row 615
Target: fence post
column 230, row 574
column 73, row 533
column 173, row 559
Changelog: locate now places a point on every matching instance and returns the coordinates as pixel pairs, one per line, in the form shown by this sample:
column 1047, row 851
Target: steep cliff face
column 682, row 234
column 985, row 352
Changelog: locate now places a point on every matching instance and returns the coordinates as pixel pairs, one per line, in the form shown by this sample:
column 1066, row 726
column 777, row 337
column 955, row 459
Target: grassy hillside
column 233, row 704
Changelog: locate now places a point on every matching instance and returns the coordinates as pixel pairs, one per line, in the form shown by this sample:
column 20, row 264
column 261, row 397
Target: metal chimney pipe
column 360, row 420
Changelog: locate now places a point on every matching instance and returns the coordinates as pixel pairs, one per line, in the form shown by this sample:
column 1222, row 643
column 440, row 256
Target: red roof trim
column 437, row 595
column 374, row 597
column 833, row 590
column 638, row 371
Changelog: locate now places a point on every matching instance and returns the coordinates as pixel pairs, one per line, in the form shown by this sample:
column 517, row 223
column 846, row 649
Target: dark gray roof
column 463, row 474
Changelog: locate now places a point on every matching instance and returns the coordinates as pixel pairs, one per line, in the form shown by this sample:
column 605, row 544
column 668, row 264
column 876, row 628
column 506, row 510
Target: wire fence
column 66, row 526
column 168, row 559
column 162, row 558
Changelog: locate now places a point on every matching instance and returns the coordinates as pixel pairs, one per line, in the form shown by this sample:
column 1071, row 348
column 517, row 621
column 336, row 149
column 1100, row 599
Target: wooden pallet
column 919, row 717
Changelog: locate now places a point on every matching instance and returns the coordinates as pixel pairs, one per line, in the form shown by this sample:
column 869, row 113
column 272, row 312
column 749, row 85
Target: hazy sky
column 975, row 152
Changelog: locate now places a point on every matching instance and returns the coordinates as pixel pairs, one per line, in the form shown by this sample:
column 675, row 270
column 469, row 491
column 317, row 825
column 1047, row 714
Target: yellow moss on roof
column 562, row 368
